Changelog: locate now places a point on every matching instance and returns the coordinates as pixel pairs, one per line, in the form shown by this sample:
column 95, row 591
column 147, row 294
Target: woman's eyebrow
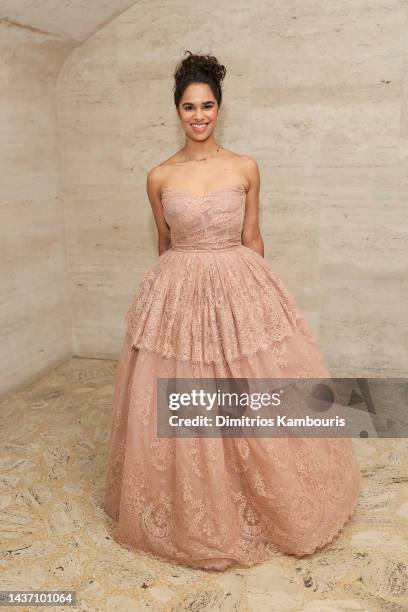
column 206, row 102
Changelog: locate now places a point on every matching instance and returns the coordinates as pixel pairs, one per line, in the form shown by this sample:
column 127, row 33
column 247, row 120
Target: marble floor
column 55, row 534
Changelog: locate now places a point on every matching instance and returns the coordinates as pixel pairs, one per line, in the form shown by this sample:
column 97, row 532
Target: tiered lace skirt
column 215, row 502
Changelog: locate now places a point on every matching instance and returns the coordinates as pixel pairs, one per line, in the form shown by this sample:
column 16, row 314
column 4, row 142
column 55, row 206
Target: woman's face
column 198, row 111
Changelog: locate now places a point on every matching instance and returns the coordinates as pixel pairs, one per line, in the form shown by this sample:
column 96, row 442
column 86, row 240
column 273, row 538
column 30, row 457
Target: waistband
column 208, row 250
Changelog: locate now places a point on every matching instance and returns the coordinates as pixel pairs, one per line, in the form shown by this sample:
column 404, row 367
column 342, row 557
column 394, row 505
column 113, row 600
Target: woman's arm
column 153, row 187
column 251, row 234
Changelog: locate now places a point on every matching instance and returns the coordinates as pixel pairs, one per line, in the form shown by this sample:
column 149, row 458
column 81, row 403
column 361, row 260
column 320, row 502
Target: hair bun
column 208, row 64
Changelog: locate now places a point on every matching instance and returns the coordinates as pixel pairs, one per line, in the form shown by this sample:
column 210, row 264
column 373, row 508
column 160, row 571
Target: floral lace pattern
column 211, row 307
column 210, row 298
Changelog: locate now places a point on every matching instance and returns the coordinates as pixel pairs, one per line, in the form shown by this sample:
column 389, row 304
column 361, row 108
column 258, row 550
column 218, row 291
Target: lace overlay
column 211, row 307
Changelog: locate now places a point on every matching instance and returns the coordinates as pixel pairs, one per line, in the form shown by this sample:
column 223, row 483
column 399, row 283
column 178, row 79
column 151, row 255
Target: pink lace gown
column 211, row 307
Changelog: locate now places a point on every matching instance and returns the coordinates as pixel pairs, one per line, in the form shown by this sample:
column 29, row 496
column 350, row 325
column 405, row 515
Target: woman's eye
column 189, row 108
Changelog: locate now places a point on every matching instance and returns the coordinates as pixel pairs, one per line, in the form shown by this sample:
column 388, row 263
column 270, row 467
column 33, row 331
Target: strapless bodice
column 208, row 222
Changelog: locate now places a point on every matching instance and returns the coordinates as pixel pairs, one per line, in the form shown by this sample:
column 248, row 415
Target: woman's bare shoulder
column 160, row 171
column 155, row 177
column 243, row 160
column 247, row 159
column 247, row 166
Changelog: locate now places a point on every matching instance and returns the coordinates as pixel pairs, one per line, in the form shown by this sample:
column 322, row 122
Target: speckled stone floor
column 56, row 535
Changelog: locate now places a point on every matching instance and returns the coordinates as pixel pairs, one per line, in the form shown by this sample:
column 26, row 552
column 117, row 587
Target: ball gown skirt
column 212, row 307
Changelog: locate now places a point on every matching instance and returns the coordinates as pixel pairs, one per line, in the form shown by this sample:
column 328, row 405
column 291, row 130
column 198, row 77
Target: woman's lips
column 199, row 128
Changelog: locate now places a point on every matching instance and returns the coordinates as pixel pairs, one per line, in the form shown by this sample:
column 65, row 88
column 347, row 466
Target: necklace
column 205, row 158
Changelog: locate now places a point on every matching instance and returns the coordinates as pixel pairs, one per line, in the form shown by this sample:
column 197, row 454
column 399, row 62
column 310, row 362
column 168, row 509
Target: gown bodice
column 208, row 222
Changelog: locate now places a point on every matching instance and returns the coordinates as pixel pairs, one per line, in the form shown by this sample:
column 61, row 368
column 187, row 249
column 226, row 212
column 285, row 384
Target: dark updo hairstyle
column 198, row 69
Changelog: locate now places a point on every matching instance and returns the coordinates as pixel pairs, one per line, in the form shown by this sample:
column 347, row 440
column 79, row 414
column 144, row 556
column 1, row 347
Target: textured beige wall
column 315, row 93
column 35, row 322
column 73, row 20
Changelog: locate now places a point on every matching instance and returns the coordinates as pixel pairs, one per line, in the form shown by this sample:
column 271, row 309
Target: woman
column 210, row 307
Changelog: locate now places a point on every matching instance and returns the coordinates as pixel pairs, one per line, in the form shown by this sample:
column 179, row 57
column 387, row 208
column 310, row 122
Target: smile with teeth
column 199, row 126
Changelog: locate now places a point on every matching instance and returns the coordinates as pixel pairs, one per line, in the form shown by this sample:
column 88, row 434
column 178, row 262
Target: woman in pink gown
column 211, row 307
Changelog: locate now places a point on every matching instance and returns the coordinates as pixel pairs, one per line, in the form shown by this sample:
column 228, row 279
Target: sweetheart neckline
column 238, row 186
